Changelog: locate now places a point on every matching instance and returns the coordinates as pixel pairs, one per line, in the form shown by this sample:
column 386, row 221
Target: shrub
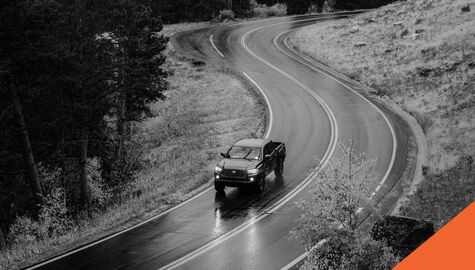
column 100, row 195
column 23, row 231
column 52, row 221
column 313, row 8
column 328, row 6
column 225, row 14
column 350, row 251
column 263, row 11
column 50, row 179
column 278, row 9
column 53, row 218
column 424, row 120
column 117, row 173
column 197, row 62
column 329, row 225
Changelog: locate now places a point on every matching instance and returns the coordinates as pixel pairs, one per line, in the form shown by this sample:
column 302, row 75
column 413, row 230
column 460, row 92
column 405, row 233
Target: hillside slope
column 421, row 54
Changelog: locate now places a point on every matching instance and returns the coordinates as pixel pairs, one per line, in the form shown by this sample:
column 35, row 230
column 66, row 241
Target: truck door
column 270, row 162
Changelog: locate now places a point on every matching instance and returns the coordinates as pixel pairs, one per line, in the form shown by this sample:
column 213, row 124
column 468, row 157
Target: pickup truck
column 248, row 162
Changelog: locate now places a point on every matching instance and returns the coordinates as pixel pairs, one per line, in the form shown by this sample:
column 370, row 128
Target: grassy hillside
column 421, row 54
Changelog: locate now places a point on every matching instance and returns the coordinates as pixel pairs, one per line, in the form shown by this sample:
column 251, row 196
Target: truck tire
column 279, row 169
column 219, row 187
column 261, row 184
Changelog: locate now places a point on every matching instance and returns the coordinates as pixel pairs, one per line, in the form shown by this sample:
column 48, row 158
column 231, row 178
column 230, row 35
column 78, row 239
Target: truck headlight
column 253, row 171
column 218, row 169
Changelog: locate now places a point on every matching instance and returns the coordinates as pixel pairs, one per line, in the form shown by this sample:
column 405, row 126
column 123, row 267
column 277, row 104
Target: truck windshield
column 244, row 152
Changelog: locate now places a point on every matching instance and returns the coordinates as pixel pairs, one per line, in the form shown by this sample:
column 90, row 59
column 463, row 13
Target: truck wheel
column 261, row 184
column 279, row 169
column 219, row 187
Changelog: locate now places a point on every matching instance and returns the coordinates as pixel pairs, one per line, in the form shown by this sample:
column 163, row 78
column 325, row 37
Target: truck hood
column 241, row 164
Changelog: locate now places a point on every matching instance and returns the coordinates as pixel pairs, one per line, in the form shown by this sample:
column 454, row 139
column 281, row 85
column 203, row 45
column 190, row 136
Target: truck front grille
column 230, row 173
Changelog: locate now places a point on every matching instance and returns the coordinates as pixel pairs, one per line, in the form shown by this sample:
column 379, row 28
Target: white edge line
column 295, row 261
column 393, row 134
column 305, row 254
column 290, row 195
column 269, row 127
column 325, row 106
column 393, row 156
column 120, row 232
column 214, row 46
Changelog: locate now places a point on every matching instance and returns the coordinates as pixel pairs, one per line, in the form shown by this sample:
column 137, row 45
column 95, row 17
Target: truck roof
column 252, row 142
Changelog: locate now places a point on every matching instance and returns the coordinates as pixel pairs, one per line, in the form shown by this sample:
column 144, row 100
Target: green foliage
column 328, row 6
column 138, row 81
column 303, row 6
column 350, row 251
column 264, row 11
column 225, row 14
column 340, row 189
column 53, row 220
column 25, row 230
column 135, row 33
column 329, row 224
column 173, row 11
column 100, row 194
column 78, row 69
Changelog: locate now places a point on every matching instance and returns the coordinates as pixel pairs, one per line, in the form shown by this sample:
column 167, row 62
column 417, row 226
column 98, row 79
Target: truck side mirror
column 223, row 155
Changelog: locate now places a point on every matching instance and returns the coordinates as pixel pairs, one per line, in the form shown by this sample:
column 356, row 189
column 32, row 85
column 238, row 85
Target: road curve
column 311, row 111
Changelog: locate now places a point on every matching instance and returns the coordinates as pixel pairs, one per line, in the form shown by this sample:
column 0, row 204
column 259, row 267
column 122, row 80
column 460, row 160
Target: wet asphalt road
column 310, row 113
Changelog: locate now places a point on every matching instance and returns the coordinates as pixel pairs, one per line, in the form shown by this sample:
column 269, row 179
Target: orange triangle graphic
column 452, row 247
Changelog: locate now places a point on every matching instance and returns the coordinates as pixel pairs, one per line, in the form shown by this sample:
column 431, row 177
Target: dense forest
column 173, row 11
column 75, row 75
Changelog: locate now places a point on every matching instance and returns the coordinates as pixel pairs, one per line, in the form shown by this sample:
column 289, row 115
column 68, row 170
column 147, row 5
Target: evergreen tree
column 139, row 77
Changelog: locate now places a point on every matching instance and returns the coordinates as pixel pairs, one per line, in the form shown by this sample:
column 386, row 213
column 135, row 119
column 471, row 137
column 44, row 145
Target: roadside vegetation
column 329, row 226
column 264, row 11
column 177, row 11
column 421, row 54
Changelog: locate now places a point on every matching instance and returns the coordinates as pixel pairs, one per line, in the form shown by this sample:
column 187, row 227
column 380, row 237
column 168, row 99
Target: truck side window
column 268, row 148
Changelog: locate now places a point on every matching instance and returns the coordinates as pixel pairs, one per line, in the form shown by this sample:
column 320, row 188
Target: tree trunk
column 83, row 169
column 3, row 245
column 121, row 125
column 27, row 152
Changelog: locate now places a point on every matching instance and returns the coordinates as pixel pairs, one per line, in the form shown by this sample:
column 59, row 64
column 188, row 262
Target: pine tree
column 27, row 153
column 138, row 59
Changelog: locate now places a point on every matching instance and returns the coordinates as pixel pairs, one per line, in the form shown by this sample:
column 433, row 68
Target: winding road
column 310, row 109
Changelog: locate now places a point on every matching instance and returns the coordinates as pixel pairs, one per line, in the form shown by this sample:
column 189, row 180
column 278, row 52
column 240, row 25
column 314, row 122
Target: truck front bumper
column 235, row 182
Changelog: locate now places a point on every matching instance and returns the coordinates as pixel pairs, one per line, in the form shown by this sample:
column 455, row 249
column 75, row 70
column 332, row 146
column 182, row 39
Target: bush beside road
column 421, row 54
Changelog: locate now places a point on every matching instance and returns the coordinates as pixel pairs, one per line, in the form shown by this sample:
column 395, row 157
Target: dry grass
column 430, row 74
column 206, row 110
column 169, row 29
